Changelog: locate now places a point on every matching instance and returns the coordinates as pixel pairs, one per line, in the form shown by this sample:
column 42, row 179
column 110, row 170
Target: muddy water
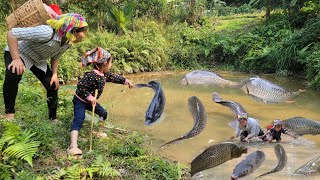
column 127, row 108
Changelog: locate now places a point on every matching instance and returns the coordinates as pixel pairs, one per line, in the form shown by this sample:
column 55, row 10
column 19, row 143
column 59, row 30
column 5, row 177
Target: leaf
column 19, row 144
column 293, row 2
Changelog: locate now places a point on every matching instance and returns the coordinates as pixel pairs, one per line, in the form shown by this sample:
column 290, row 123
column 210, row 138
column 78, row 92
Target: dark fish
column 310, row 168
column 250, row 163
column 266, row 91
column 199, row 117
column 206, row 77
column 235, row 107
column 282, row 160
column 302, row 126
column 216, row 155
column 156, row 107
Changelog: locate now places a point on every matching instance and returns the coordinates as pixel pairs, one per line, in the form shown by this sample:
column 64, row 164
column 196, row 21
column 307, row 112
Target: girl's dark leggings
column 11, row 82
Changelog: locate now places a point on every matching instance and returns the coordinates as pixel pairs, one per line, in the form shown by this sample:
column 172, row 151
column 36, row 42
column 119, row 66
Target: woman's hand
column 17, row 66
column 55, row 80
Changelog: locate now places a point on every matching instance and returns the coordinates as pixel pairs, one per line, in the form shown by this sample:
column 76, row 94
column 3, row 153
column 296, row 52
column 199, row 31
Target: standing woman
column 30, row 47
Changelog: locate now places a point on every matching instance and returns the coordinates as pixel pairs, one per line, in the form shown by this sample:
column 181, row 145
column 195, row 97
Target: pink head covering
column 96, row 55
column 277, row 122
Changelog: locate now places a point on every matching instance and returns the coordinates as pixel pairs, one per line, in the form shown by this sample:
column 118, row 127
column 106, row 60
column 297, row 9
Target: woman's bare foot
column 10, row 116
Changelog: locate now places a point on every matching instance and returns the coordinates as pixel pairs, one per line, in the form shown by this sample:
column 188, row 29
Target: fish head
column 245, row 89
column 154, row 84
column 234, row 177
column 216, row 96
column 238, row 151
column 183, row 81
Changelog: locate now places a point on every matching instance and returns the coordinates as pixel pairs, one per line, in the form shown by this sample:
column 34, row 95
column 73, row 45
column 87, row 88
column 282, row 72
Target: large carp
column 156, row 107
column 302, row 126
column 250, row 163
column 235, row 107
column 266, row 91
column 206, row 77
column 199, row 117
column 216, row 155
column 282, row 160
column 310, row 168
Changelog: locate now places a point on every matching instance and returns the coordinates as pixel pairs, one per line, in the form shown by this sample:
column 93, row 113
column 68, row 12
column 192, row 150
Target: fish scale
column 199, row 117
column 302, row 126
column 206, row 77
column 216, row 155
column 157, row 104
column 310, row 168
column 282, row 160
column 249, row 164
column 266, row 91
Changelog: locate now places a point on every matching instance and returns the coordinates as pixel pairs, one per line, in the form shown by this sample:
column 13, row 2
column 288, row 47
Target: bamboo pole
column 92, row 118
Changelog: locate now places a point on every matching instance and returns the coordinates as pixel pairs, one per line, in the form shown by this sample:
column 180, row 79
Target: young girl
column 275, row 132
column 84, row 97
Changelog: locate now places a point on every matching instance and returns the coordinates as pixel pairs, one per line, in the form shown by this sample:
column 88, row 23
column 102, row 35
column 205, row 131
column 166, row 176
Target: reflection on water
column 127, row 108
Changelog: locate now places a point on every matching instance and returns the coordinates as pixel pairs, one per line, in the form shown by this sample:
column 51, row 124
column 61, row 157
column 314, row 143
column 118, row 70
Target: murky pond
column 127, row 108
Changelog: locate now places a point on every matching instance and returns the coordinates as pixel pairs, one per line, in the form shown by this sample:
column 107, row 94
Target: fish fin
column 142, row 85
column 218, row 75
column 255, row 98
column 172, row 142
column 289, row 102
column 264, row 174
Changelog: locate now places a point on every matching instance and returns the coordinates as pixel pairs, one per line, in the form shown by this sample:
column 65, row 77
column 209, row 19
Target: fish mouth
column 148, row 122
column 183, row 81
column 234, row 177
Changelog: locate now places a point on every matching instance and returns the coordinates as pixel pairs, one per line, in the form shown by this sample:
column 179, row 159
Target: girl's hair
column 99, row 65
column 82, row 29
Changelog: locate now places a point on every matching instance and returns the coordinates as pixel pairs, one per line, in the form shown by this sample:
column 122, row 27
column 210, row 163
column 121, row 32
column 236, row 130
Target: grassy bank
column 31, row 147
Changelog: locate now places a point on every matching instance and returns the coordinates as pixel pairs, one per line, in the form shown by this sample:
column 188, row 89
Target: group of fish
column 259, row 89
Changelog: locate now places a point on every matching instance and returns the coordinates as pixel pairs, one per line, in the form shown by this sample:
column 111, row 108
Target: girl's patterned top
column 95, row 80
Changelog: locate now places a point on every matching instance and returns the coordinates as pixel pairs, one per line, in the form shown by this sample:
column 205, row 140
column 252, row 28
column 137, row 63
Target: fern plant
column 103, row 168
column 18, row 145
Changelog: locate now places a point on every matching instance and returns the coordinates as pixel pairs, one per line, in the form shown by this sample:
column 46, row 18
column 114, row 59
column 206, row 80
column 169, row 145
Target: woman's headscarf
column 96, row 55
column 65, row 23
column 242, row 116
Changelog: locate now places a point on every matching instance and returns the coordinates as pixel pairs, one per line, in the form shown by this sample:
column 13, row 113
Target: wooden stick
column 92, row 118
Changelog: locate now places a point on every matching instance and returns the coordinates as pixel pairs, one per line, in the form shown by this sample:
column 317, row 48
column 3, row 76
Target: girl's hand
column 130, row 84
column 17, row 66
column 94, row 101
column 55, row 80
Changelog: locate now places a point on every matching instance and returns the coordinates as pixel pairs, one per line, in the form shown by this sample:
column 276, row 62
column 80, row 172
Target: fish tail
column 264, row 174
column 301, row 91
column 171, row 142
